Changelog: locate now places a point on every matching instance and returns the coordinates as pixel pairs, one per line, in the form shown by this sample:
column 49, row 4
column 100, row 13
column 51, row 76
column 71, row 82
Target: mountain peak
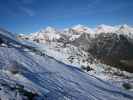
column 104, row 26
column 125, row 26
column 82, row 29
column 49, row 28
column 125, row 29
column 104, row 29
column 78, row 26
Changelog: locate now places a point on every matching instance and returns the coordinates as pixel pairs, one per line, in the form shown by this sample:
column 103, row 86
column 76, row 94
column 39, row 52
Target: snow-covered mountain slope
column 25, row 74
column 68, row 54
column 82, row 37
column 77, row 38
column 44, row 35
column 111, row 45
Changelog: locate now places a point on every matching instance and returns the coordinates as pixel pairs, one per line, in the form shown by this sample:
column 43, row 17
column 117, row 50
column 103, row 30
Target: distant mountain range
column 88, row 47
column 50, row 33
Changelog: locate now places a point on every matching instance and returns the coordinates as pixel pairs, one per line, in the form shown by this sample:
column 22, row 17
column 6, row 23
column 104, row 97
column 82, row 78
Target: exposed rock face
column 83, row 41
column 113, row 49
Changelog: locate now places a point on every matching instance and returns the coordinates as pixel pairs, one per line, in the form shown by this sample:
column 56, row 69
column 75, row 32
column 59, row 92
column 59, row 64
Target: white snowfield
column 48, row 78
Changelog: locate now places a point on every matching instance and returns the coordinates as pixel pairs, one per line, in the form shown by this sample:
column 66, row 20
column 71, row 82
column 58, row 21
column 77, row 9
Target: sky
column 26, row 16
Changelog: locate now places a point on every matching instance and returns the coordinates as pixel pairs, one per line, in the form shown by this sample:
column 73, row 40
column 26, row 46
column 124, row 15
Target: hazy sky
column 30, row 15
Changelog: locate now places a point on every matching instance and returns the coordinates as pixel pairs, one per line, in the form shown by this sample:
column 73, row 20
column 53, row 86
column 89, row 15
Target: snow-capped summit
column 124, row 29
column 49, row 29
column 82, row 29
column 76, row 31
column 79, row 26
column 45, row 35
column 50, row 34
column 104, row 29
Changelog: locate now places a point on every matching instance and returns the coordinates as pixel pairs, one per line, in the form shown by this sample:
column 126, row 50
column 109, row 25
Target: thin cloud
column 23, row 8
column 27, row 11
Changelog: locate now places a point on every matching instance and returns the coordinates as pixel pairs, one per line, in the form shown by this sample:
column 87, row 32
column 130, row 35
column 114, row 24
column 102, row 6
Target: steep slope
column 104, row 51
column 113, row 49
column 25, row 74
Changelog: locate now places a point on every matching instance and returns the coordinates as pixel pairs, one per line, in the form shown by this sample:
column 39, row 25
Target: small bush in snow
column 127, row 86
column 88, row 68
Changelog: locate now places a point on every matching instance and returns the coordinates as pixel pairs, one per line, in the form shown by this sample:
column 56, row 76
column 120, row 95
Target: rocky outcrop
column 113, row 49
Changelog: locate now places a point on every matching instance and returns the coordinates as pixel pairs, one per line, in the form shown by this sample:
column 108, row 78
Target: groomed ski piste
column 27, row 74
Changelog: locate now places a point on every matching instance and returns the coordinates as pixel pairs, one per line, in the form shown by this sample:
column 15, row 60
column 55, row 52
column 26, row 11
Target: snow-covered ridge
column 121, row 29
column 82, row 29
column 52, row 34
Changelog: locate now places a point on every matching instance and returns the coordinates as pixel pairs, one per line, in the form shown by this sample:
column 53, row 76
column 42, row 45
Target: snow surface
column 72, row 55
column 51, row 79
column 82, row 29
